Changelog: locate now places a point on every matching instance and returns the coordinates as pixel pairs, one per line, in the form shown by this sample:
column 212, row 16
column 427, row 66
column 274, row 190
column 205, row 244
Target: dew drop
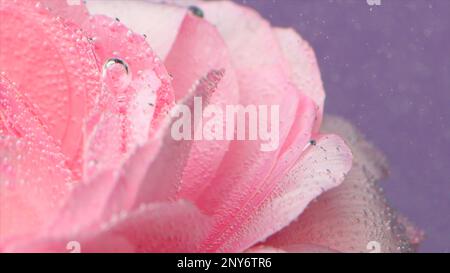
column 116, row 74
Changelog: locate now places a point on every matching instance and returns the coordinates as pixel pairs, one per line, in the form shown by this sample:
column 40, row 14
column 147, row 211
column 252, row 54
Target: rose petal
column 172, row 227
column 320, row 168
column 162, row 180
column 55, row 68
column 353, row 217
column 158, row 227
column 143, row 179
column 76, row 11
column 292, row 149
column 263, row 80
column 277, row 65
column 198, row 49
column 305, row 71
column 146, row 177
column 84, row 208
column 33, row 180
column 161, row 27
column 226, row 16
column 136, row 94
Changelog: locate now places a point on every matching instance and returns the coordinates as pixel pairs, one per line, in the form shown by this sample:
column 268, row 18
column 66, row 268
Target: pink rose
column 88, row 160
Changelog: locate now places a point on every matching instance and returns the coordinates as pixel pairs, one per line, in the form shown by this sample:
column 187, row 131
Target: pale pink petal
column 73, row 10
column 170, row 227
column 84, row 208
column 263, row 79
column 152, row 173
column 321, row 167
column 157, row 227
column 198, row 49
column 160, row 23
column 163, row 176
column 247, row 46
column 53, row 64
column 353, row 217
column 305, row 71
column 195, row 50
column 136, row 93
column 33, row 180
column 291, row 151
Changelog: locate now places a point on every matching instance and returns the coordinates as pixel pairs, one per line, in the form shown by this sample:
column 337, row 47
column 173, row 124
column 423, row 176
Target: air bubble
column 116, row 74
column 197, row 11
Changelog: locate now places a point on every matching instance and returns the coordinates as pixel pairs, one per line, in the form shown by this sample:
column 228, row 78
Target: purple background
column 387, row 69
